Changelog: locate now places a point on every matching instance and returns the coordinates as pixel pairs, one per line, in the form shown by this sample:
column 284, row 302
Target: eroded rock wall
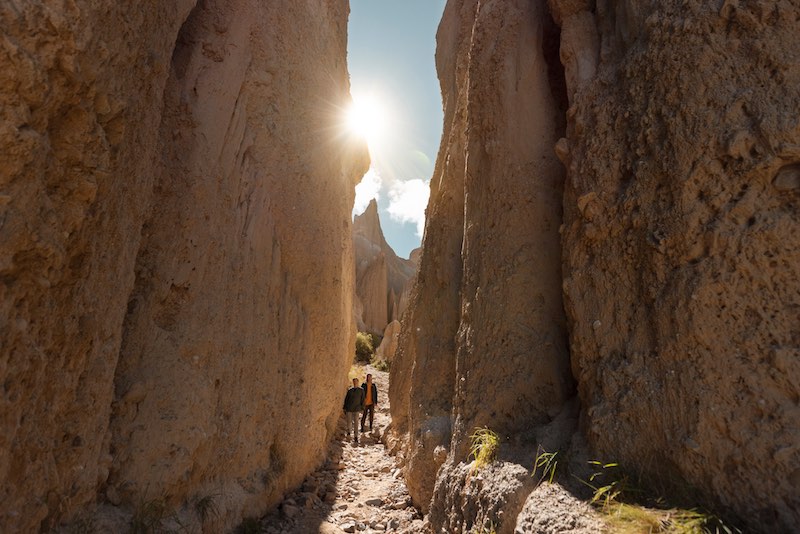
column 80, row 101
column 679, row 242
column 681, row 247
column 176, row 276
column 484, row 341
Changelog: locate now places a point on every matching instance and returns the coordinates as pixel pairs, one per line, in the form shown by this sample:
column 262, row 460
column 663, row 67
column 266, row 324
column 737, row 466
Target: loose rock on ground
column 358, row 489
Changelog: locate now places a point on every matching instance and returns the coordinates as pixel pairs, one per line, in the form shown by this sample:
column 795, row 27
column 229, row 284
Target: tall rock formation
column 679, row 242
column 175, row 252
column 484, row 342
column 383, row 279
column 682, row 246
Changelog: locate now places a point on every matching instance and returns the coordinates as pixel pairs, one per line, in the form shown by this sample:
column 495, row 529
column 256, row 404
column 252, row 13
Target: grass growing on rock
column 548, row 463
column 620, row 501
column 626, row 518
column 487, row 527
column 484, row 446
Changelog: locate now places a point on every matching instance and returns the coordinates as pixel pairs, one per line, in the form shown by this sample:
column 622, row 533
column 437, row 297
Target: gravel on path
column 358, row 489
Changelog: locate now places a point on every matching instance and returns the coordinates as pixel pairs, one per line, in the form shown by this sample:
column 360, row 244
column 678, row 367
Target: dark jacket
column 354, row 400
column 374, row 392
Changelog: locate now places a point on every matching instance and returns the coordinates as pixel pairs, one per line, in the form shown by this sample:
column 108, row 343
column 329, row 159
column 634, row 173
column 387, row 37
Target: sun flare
column 367, row 118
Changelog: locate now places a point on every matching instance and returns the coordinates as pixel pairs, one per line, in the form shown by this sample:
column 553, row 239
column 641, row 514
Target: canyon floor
column 358, row 489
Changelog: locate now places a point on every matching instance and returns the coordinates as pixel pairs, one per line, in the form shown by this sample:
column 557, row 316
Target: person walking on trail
column 370, row 401
column 353, row 404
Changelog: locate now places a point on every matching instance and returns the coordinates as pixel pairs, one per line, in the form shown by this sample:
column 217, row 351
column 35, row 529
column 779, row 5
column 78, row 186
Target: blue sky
column 391, row 47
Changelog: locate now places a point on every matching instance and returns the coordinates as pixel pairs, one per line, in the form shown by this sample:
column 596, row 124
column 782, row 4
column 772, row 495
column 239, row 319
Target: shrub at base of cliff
column 365, row 346
column 381, row 365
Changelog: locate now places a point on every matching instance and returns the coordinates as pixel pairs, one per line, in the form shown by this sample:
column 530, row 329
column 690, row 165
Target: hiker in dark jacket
column 353, row 403
column 370, row 401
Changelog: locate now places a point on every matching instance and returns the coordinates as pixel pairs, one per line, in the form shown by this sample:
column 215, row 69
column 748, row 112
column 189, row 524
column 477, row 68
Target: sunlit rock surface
column 383, row 279
column 176, row 260
column 388, row 347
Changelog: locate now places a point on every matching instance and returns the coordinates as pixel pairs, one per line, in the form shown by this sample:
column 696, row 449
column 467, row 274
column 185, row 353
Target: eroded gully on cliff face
column 358, row 489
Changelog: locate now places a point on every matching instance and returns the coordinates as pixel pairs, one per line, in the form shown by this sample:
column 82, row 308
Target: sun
column 367, row 118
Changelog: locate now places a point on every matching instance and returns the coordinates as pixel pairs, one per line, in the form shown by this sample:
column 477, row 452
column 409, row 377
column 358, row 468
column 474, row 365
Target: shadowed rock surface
column 681, row 248
column 679, row 245
column 493, row 350
column 176, row 261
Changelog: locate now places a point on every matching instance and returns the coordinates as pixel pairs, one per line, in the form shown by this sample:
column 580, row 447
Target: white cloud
column 368, row 189
column 407, row 202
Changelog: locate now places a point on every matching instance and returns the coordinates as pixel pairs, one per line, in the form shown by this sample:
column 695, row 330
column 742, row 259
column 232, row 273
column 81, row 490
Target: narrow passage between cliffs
column 359, row 488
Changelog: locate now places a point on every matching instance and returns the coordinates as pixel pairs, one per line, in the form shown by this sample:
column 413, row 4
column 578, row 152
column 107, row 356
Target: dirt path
column 359, row 489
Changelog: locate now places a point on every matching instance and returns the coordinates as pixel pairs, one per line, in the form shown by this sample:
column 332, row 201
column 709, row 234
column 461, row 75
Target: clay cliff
column 681, row 247
column 486, row 313
column 383, row 279
column 176, row 276
column 650, row 281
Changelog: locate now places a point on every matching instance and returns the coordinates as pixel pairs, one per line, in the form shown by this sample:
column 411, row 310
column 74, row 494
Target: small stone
column 787, row 178
column 399, row 505
column 349, row 526
column 378, row 526
column 113, row 496
column 374, row 502
column 289, row 511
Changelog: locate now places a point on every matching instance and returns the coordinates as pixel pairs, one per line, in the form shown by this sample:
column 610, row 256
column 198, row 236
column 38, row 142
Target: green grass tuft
column 484, row 447
column 547, row 462
column 487, row 527
column 611, row 486
column 626, row 518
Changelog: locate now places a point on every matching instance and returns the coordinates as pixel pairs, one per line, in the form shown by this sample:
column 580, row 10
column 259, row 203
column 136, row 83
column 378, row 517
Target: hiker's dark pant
column 369, row 408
